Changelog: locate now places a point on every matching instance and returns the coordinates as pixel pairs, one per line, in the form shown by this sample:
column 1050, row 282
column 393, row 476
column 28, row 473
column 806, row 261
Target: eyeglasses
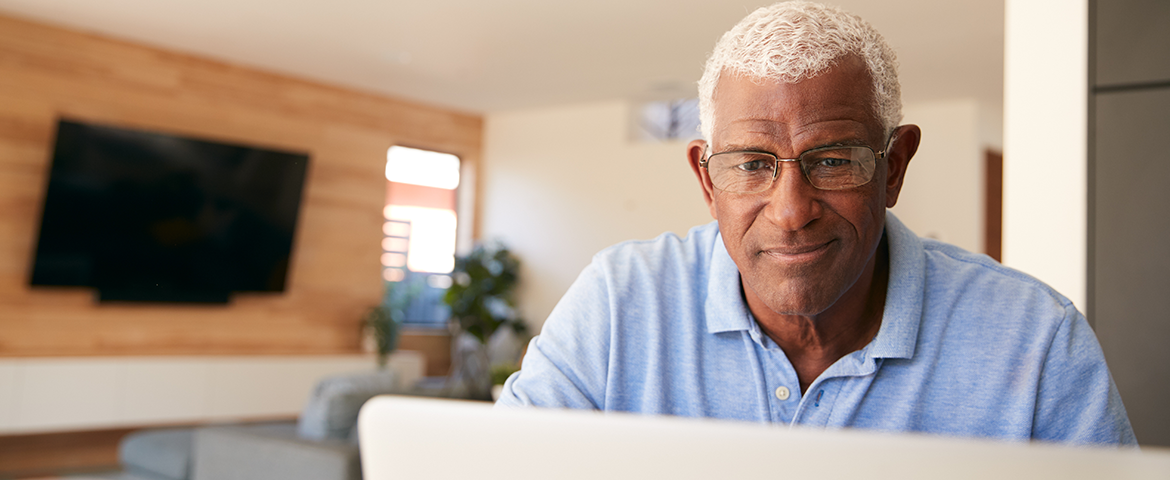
column 826, row 168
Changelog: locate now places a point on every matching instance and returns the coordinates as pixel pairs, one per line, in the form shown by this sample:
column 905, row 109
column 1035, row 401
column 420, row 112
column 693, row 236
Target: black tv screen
column 145, row 216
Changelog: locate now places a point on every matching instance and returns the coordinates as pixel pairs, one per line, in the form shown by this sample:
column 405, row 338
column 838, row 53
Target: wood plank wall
column 47, row 454
column 48, row 72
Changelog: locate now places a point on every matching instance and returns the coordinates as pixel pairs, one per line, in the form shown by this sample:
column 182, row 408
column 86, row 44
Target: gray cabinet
column 1129, row 206
column 1131, row 252
column 1132, row 40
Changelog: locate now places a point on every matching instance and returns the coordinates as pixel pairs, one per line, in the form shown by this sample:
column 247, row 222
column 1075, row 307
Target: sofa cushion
column 270, row 452
column 332, row 409
column 164, row 452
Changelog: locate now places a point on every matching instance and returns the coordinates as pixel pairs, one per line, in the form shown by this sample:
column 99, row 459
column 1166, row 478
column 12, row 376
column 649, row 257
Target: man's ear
column 695, row 151
column 901, row 150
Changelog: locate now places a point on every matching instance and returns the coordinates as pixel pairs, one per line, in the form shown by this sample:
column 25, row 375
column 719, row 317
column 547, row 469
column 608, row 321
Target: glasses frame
column 877, row 156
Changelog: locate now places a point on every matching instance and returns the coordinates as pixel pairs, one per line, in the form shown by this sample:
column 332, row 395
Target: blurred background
column 563, row 126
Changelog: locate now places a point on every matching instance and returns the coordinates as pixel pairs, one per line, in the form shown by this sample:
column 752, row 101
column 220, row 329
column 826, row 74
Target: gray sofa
column 320, row 445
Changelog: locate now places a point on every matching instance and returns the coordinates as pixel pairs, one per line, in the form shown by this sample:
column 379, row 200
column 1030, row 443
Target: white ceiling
column 487, row 56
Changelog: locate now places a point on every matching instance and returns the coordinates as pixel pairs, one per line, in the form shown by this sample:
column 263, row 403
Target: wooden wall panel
column 48, row 72
column 48, row 454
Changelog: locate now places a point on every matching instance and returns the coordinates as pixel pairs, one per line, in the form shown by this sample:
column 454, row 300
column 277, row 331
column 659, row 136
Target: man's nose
column 793, row 202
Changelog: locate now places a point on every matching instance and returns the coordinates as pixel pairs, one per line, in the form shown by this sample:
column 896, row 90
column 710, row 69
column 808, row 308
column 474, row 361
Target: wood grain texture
column 48, row 73
column 45, row 454
column 77, row 452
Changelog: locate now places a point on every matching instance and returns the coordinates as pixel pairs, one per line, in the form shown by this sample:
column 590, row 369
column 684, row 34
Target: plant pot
column 470, row 368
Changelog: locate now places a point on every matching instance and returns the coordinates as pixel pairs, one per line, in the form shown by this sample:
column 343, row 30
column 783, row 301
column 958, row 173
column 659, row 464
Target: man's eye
column 833, row 162
column 753, row 165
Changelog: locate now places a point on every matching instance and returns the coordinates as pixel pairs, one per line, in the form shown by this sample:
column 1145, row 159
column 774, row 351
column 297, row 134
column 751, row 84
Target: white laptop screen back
column 416, row 438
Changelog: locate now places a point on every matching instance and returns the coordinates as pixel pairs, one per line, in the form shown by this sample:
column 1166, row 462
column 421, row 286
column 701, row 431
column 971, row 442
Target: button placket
column 817, row 404
column 779, row 379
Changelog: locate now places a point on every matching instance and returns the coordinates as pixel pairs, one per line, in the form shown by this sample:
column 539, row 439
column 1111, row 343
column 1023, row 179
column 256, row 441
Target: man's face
column 799, row 249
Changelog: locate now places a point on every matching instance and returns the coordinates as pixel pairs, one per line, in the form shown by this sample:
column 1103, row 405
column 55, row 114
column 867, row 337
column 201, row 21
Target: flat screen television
column 149, row 217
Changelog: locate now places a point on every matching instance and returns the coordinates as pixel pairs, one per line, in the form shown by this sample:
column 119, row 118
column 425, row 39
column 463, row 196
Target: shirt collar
column 726, row 310
column 904, row 295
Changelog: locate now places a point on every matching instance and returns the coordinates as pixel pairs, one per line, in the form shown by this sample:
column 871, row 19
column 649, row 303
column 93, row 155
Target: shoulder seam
column 999, row 268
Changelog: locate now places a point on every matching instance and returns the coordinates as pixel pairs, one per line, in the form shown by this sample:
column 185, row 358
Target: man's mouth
column 806, row 252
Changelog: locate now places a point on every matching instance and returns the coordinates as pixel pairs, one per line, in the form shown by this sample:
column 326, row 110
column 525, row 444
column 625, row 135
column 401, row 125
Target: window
column 420, row 230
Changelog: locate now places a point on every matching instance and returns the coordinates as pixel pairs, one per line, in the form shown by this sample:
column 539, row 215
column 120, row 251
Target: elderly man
column 806, row 302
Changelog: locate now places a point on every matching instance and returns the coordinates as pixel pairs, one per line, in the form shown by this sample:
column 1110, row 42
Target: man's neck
column 813, row 343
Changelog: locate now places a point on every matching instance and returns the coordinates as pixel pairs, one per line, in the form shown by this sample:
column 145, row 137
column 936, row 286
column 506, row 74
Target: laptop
column 421, row 438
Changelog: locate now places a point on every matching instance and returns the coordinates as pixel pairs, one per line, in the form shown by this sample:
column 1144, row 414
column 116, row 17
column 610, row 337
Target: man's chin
column 803, row 292
column 802, row 306
column 801, row 312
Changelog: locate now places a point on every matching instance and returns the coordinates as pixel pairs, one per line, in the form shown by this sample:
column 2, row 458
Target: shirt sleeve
column 566, row 365
column 1077, row 400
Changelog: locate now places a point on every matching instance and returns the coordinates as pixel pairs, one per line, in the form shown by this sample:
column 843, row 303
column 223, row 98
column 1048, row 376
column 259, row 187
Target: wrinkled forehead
column 840, row 96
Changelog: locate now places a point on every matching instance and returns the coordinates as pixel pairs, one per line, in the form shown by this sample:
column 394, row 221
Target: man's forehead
column 839, row 102
column 746, row 134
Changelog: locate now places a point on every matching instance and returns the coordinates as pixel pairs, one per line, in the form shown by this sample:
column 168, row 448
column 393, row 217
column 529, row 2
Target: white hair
column 792, row 41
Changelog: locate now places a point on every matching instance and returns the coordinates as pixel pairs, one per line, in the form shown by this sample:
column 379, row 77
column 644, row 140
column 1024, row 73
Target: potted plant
column 383, row 321
column 482, row 301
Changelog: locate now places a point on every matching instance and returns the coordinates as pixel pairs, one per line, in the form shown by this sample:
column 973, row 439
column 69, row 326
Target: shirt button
column 782, row 393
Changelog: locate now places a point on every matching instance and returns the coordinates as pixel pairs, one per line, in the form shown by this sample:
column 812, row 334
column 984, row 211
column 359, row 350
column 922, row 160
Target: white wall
column 560, row 184
column 943, row 194
column 76, row 393
column 1045, row 142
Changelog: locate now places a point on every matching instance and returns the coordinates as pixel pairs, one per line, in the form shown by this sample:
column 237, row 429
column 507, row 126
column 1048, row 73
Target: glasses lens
column 838, row 168
column 741, row 172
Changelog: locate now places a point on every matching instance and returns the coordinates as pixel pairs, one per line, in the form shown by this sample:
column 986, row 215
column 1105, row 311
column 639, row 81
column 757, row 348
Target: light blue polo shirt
column 967, row 347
